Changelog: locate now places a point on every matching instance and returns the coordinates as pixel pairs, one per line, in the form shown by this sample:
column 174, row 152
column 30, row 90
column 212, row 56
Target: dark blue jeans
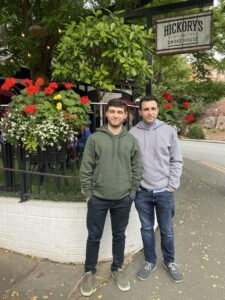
column 163, row 203
column 96, row 216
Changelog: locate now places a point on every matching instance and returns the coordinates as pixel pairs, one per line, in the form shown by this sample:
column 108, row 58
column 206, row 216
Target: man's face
column 149, row 111
column 116, row 116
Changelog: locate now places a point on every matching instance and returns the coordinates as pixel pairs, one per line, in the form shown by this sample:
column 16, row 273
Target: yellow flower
column 57, row 97
column 59, row 106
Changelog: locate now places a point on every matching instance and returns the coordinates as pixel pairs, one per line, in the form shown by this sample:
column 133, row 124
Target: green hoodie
column 111, row 166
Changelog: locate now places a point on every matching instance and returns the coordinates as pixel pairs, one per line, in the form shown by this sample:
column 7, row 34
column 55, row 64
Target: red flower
column 165, row 94
column 167, row 105
column 40, row 81
column 84, row 100
column 190, row 118
column 49, row 91
column 27, row 82
column 8, row 84
column 53, row 85
column 186, row 104
column 32, row 89
column 68, row 85
column 168, row 96
column 30, row 109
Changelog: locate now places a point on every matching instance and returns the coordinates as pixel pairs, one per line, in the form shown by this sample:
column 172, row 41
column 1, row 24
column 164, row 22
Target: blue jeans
column 163, row 203
column 96, row 216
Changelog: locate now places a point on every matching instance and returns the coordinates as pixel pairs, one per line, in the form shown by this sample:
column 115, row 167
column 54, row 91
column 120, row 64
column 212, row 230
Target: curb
column 204, row 141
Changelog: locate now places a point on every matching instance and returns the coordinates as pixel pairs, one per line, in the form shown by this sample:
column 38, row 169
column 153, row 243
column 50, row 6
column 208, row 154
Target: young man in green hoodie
column 110, row 176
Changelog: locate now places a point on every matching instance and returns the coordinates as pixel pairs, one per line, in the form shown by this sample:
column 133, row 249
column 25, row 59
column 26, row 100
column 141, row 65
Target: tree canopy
column 30, row 31
column 103, row 51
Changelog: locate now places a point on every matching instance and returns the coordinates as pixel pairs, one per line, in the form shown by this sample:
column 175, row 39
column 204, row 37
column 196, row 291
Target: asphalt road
column 213, row 153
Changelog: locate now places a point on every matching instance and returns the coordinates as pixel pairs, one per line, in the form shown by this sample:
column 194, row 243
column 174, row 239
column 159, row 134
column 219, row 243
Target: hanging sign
column 184, row 34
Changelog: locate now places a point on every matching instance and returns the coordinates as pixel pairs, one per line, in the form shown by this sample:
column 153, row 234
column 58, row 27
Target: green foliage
column 218, row 29
column 208, row 90
column 171, row 68
column 103, row 51
column 201, row 61
column 195, row 131
column 30, row 31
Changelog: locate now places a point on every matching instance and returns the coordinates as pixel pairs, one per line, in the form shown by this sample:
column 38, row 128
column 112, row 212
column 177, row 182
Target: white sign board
column 184, row 34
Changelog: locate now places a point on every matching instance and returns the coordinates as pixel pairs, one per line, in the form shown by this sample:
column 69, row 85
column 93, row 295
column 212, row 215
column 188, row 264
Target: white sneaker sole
column 123, row 289
column 88, row 294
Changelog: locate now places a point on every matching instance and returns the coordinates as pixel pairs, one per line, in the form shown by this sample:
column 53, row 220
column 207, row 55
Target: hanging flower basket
column 40, row 117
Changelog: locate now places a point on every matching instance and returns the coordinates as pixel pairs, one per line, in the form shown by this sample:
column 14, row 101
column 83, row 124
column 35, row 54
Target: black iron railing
column 51, row 174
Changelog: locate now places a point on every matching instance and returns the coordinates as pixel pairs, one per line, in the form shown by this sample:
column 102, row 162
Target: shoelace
column 172, row 266
column 148, row 267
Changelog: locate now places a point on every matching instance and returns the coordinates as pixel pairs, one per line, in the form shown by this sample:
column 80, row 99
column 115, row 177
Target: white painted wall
column 56, row 230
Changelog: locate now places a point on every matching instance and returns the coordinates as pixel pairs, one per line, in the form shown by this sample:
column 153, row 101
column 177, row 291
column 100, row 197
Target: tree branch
column 26, row 18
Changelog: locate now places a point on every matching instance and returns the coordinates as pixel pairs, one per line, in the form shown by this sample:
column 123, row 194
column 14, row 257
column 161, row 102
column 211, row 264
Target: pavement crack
column 8, row 292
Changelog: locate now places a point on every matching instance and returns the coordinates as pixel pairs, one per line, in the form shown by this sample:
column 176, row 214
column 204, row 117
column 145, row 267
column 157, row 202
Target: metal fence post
column 23, row 175
column 7, row 151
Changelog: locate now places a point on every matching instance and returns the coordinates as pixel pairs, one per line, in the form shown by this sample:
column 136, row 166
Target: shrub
column 195, row 131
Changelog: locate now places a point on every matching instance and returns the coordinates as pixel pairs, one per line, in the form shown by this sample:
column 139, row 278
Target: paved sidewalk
column 199, row 226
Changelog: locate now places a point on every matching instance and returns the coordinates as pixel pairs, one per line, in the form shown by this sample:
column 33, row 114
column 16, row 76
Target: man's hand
column 87, row 199
column 170, row 189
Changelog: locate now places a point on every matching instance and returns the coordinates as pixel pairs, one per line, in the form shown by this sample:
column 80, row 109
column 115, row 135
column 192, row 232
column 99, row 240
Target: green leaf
column 67, row 101
column 105, row 53
column 132, row 35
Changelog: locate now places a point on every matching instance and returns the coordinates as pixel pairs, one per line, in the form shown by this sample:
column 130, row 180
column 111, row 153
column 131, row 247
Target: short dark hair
column 148, row 98
column 117, row 103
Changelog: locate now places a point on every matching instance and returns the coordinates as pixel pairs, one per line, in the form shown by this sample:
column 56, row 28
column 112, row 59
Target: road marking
column 217, row 167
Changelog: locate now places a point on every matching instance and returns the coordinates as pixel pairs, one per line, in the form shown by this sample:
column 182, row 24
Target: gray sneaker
column 87, row 285
column 146, row 270
column 173, row 271
column 121, row 280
